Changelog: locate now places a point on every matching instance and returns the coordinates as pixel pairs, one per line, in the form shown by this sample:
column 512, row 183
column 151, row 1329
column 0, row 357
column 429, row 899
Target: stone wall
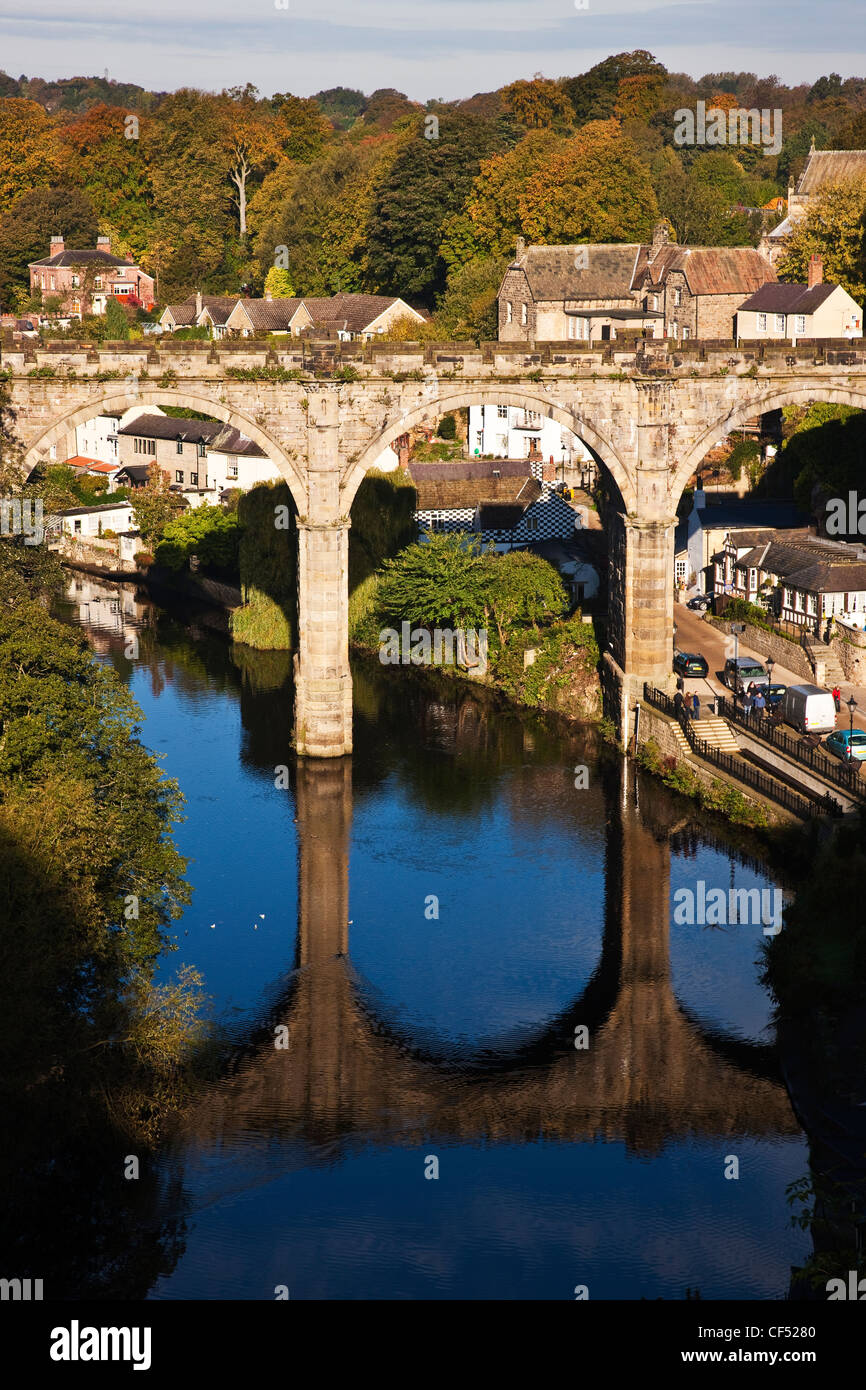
column 786, row 652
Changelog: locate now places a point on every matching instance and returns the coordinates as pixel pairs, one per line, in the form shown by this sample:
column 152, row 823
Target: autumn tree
column 30, row 155
column 155, row 505
column 105, row 155
column 593, row 188
column 25, row 230
column 594, row 94
column 539, row 103
column 278, row 283
column 251, row 141
column 494, row 202
column 834, row 227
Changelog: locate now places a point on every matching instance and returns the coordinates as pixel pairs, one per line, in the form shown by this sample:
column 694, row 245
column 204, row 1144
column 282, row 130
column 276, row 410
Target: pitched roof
column 219, row 306
column 183, row 314
column 87, row 257
column 270, row 314
column 351, row 312
column 789, row 299
column 831, row 166
column 808, row 565
column 475, row 468
column 100, row 507
column 713, row 269
column 135, row 472
column 499, row 516
column 93, row 465
column 553, row 274
column 215, row 434
column 448, row 494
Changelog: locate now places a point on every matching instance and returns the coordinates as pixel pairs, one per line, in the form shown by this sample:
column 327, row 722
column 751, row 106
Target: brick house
column 84, row 280
column 603, row 292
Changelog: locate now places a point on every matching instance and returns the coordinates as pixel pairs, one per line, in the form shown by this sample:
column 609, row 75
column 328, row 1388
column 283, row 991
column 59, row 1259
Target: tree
column 834, row 227
column 342, row 105
column 594, row 94
column 278, row 283
column 155, row 505
column 116, row 323
column 113, row 170
column 428, row 181
column 539, row 103
column 301, row 130
column 594, row 188
column 699, row 212
column 468, row 308
column 210, row 533
column 522, row 588
column 439, row 583
column 252, row 142
column 29, row 151
column 494, row 202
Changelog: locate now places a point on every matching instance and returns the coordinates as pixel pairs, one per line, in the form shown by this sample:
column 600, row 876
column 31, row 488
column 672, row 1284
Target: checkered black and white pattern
column 548, row 518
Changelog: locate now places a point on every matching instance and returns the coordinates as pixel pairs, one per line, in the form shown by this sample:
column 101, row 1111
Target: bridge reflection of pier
column 650, row 1074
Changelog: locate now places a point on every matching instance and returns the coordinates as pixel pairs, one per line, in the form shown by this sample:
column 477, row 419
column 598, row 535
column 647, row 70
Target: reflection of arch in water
column 650, row 1072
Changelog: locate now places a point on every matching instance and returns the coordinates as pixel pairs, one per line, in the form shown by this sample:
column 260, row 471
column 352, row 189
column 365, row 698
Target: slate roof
column 271, row 314
column 100, row 507
column 135, row 472
column 88, row 257
column 448, row 494
column 218, row 306
column 475, row 468
column 808, row 565
column 216, row 435
column 788, row 299
column 713, row 269
column 499, row 516
column 608, row 274
column 351, row 312
column 831, row 166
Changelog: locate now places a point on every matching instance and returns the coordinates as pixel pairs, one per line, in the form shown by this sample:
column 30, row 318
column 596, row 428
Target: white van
column 809, row 709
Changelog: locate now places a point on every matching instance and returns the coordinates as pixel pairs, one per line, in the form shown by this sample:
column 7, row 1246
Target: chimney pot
column 268, row 296
column 816, row 270
column 520, row 247
column 57, row 245
column 103, row 243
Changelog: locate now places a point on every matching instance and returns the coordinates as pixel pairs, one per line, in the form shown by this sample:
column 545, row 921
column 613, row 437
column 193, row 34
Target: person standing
column 747, row 703
column 837, row 698
column 696, row 706
column 760, row 703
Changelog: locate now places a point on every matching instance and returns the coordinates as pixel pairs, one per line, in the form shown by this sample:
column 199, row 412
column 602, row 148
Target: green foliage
column 154, row 505
column 822, row 453
column 834, row 227
column 566, row 653
column 278, row 283
column 261, row 623
column 23, row 232
column 437, row 450
column 523, row 588
column 264, row 373
column 439, row 583
column 468, row 308
column 211, row 533
column 716, row 795
column 267, row 562
column 746, row 453
column 116, row 323
column 738, row 610
column 447, row 427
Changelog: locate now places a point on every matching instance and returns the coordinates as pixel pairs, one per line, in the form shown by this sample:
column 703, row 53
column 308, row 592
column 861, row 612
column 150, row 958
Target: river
column 476, row 1057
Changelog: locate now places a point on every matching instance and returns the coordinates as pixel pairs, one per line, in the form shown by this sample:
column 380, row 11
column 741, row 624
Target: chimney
column 103, row 243
column 57, row 245
column 520, row 248
column 816, row 270
column 197, row 303
column 268, row 297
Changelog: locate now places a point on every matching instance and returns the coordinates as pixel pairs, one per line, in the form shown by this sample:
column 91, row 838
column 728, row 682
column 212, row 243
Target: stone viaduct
column 324, row 412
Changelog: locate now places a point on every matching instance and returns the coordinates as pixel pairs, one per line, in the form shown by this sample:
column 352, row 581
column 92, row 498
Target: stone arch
column 488, row 395
column 772, row 400
column 122, row 400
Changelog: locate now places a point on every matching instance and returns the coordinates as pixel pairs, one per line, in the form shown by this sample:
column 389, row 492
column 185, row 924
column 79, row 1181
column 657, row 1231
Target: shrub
column 447, row 427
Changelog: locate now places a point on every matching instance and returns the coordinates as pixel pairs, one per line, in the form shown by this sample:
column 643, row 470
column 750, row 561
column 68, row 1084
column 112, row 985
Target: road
column 695, row 635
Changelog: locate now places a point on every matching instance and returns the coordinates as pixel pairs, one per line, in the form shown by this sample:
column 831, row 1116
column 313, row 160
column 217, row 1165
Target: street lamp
column 852, row 705
column 736, row 629
column 770, row 664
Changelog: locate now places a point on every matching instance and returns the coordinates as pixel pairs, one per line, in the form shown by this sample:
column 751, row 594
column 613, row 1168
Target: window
column 178, row 476
column 810, row 603
column 762, row 323
column 680, row 569
column 502, row 412
column 686, row 332
column 120, row 272
column 532, row 523
column 678, row 298
column 655, row 302
column 801, row 323
column 201, row 448
column 193, row 478
column 524, row 314
column 753, row 579
column 509, row 311
column 144, row 446
column 123, row 289
column 97, row 283
column 78, row 525
column 179, row 446
column 232, row 468
column 76, row 281
column 788, row 601
column 780, row 323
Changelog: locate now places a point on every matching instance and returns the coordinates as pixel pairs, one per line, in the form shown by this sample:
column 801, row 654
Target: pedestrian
column 696, row 706
column 837, row 698
column 760, row 704
column 747, row 703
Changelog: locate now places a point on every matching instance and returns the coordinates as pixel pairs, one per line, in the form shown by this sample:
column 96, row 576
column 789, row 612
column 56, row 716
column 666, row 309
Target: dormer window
column 179, row 443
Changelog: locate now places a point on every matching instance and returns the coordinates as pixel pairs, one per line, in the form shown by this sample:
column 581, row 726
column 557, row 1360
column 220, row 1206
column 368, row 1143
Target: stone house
column 814, row 310
column 95, row 521
column 200, row 311
column 822, row 168
column 714, row 517
column 349, row 317
column 604, row 292
column 84, row 280
column 500, row 502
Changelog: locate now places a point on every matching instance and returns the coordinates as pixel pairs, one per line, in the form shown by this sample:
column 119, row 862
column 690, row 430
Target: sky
column 425, row 48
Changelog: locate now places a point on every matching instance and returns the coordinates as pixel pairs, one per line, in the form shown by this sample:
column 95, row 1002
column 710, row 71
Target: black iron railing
column 806, row 807
column 821, row 763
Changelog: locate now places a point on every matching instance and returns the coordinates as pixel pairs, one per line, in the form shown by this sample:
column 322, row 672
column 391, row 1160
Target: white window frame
column 762, row 323
column 780, row 323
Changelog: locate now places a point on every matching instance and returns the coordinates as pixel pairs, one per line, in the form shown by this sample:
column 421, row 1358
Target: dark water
column 430, row 923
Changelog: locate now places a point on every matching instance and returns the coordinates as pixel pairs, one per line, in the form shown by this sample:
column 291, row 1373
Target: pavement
column 695, row 635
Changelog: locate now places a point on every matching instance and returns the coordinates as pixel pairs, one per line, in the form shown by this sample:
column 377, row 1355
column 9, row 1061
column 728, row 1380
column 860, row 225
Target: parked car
column 701, row 601
column 774, row 694
column 690, row 664
column 809, row 709
column 742, row 671
column 841, row 740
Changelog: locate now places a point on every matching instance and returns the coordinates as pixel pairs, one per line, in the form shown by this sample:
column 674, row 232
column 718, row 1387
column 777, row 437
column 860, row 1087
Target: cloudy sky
column 426, row 48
